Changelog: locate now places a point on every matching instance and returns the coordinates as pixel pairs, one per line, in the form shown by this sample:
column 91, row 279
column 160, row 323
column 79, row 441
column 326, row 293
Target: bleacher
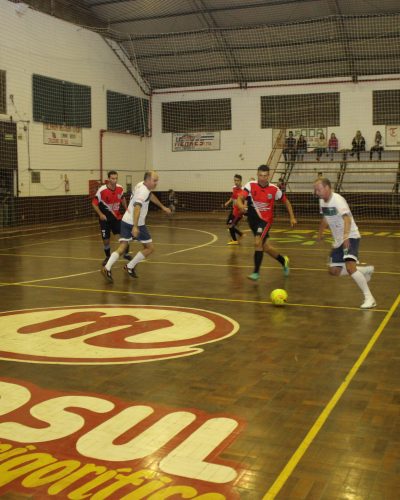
column 346, row 173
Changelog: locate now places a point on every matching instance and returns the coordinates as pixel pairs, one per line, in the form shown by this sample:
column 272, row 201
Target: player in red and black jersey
column 106, row 204
column 261, row 196
column 235, row 214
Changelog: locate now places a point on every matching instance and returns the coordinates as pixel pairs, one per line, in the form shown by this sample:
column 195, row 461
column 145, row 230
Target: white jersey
column 333, row 211
column 141, row 194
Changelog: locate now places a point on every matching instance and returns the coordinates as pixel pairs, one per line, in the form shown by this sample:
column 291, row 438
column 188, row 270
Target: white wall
column 35, row 43
column 247, row 145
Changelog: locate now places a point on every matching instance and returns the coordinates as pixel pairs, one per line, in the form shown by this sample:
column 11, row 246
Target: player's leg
column 116, row 229
column 125, row 237
column 105, row 236
column 231, row 229
column 148, row 248
column 235, row 224
column 351, row 259
column 259, row 229
column 344, row 263
column 283, row 260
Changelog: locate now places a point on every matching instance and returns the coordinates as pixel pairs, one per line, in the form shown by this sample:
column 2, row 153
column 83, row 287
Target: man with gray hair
column 133, row 225
column 337, row 215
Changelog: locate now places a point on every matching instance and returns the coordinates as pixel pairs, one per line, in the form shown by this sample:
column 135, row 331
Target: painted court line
column 312, row 433
column 186, row 297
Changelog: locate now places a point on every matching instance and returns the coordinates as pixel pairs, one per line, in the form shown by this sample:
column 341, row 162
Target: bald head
column 151, row 179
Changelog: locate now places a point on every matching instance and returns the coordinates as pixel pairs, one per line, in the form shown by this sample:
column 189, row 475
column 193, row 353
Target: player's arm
column 136, row 213
column 227, row 203
column 123, row 203
column 157, row 202
column 322, row 226
column 289, row 208
column 241, row 202
column 346, row 230
column 95, row 205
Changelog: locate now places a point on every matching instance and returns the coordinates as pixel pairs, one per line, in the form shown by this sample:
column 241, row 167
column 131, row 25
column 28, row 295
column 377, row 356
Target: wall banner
column 392, row 135
column 311, row 134
column 62, row 135
column 196, row 141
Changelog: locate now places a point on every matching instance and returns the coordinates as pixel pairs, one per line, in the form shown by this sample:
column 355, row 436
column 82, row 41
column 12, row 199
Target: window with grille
column 61, row 103
column 126, row 113
column 301, row 110
column 386, row 107
column 197, row 116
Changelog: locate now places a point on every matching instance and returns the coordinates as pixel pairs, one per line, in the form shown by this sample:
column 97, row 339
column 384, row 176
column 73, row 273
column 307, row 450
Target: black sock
column 238, row 232
column 232, row 231
column 280, row 259
column 107, row 251
column 127, row 250
column 258, row 257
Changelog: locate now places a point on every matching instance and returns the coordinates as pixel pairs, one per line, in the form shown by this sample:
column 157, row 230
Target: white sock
column 112, row 260
column 136, row 259
column 359, row 278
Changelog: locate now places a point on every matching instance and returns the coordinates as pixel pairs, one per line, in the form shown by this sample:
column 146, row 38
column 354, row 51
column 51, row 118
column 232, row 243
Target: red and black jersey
column 261, row 200
column 236, row 192
column 109, row 201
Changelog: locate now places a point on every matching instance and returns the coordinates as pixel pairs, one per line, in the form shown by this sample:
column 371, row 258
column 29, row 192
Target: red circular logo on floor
column 109, row 334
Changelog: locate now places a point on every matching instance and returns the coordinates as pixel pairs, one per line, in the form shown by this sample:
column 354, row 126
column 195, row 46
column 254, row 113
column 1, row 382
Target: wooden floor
column 187, row 382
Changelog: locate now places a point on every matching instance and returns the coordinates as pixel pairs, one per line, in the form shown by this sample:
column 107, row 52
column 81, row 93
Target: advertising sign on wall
column 196, row 141
column 392, row 135
column 62, row 135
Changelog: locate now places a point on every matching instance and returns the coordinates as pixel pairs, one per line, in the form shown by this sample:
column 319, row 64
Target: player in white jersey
column 133, row 225
column 337, row 215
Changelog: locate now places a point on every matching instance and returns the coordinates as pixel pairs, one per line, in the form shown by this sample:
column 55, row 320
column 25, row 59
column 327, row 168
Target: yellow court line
column 188, row 264
column 186, row 297
column 312, row 433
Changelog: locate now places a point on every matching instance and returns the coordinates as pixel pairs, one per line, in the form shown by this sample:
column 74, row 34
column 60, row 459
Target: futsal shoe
column 368, row 303
column 233, row 242
column 107, row 275
column 131, row 272
column 254, row 276
column 105, row 261
column 286, row 268
column 128, row 257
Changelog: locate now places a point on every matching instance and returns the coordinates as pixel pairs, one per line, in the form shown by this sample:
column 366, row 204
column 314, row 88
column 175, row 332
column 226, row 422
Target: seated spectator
column 301, row 148
column 358, row 144
column 289, row 151
column 321, row 145
column 333, row 145
column 378, row 146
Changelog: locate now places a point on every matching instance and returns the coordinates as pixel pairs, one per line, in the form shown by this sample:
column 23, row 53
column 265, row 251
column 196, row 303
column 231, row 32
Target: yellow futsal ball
column 279, row 297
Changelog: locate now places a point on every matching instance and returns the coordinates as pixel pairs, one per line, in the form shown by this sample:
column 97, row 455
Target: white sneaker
column 367, row 271
column 368, row 303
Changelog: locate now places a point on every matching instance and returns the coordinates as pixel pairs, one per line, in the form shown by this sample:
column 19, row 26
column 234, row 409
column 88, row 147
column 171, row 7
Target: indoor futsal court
column 208, row 369
column 300, row 399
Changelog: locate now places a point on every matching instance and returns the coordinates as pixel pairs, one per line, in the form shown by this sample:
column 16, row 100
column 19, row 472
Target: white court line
column 213, row 240
column 54, row 278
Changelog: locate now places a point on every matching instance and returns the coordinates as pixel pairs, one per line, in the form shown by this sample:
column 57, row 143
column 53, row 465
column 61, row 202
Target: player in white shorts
column 133, row 225
column 337, row 215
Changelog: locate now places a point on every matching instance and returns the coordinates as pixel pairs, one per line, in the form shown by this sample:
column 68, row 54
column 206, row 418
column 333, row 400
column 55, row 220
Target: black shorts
column 232, row 220
column 109, row 226
column 259, row 227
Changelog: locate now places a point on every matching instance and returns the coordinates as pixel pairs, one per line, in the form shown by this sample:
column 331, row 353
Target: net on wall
column 62, row 147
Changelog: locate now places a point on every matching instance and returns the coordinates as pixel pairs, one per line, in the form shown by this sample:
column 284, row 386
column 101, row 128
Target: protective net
column 200, row 94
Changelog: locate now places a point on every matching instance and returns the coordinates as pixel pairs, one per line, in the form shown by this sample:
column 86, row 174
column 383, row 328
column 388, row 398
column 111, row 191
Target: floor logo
column 108, row 334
